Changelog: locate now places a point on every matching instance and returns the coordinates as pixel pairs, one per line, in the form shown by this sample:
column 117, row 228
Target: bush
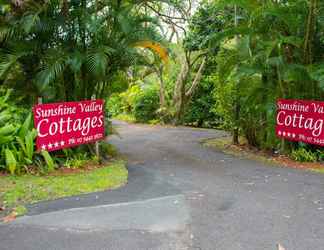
column 304, row 155
column 320, row 154
column 17, row 139
column 115, row 105
column 200, row 109
column 135, row 104
column 146, row 105
column 123, row 103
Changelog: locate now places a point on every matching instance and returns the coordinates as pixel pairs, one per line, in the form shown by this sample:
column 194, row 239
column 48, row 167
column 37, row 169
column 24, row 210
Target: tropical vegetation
column 62, row 50
column 235, row 60
column 209, row 63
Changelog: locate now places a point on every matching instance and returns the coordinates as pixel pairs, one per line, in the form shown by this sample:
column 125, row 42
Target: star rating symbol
column 288, row 134
column 52, row 145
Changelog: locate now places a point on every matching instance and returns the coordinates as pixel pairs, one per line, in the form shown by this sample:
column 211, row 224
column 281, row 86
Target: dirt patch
column 85, row 168
column 244, row 150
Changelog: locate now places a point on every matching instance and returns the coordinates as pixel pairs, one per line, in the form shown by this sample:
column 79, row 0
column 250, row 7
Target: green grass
column 17, row 191
column 126, row 118
column 321, row 171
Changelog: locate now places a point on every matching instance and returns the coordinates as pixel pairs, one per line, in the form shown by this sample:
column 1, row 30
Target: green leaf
column 7, row 130
column 28, row 161
column 8, row 93
column 6, row 139
column 75, row 61
column 29, row 141
column 55, row 64
column 27, row 145
column 10, row 161
column 97, row 60
column 25, row 127
column 22, row 145
column 48, row 159
column 7, row 62
column 4, row 116
column 29, row 21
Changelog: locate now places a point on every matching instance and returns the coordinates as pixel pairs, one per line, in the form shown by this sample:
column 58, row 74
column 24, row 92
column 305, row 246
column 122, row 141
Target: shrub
column 200, row 109
column 129, row 99
column 304, row 155
column 108, row 150
column 320, row 154
column 146, row 105
column 123, row 103
column 17, row 139
column 115, row 105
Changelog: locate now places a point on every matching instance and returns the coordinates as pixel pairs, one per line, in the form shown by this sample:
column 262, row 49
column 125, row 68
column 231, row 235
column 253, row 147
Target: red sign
column 68, row 124
column 299, row 120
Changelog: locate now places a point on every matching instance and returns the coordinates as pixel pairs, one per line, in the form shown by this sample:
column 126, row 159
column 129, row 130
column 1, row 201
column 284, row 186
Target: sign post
column 68, row 124
column 96, row 143
column 301, row 120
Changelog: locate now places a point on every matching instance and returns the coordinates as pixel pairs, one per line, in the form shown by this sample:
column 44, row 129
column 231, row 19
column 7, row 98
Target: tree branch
column 197, row 79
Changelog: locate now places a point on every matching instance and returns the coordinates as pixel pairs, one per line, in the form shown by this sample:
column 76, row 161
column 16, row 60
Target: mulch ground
column 268, row 156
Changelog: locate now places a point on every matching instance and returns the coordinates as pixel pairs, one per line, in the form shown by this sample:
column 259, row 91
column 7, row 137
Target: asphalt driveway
column 181, row 195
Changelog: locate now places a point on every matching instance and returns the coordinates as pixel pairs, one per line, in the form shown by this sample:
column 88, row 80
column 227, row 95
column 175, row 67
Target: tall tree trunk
column 197, row 79
column 162, row 88
column 237, row 106
column 179, row 93
column 182, row 96
column 264, row 80
column 309, row 33
column 237, row 110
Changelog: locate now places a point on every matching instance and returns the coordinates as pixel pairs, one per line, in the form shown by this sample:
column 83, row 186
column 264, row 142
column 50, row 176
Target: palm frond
column 54, row 65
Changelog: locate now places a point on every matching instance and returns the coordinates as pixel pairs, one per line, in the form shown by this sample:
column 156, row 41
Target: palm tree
column 279, row 44
column 68, row 50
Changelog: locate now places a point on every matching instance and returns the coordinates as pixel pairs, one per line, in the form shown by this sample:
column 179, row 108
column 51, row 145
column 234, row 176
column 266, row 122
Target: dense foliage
column 70, row 50
column 256, row 52
column 223, row 65
column 140, row 105
column 64, row 51
column 17, row 149
column 259, row 63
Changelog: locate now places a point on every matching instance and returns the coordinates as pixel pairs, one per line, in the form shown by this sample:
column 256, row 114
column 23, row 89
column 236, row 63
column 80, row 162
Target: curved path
column 181, row 195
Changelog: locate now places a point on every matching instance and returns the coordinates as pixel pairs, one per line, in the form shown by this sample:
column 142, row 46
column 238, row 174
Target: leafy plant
column 17, row 139
column 26, row 145
column 304, row 155
column 48, row 159
column 85, row 45
column 135, row 103
column 146, row 105
column 75, row 162
column 10, row 161
column 320, row 155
